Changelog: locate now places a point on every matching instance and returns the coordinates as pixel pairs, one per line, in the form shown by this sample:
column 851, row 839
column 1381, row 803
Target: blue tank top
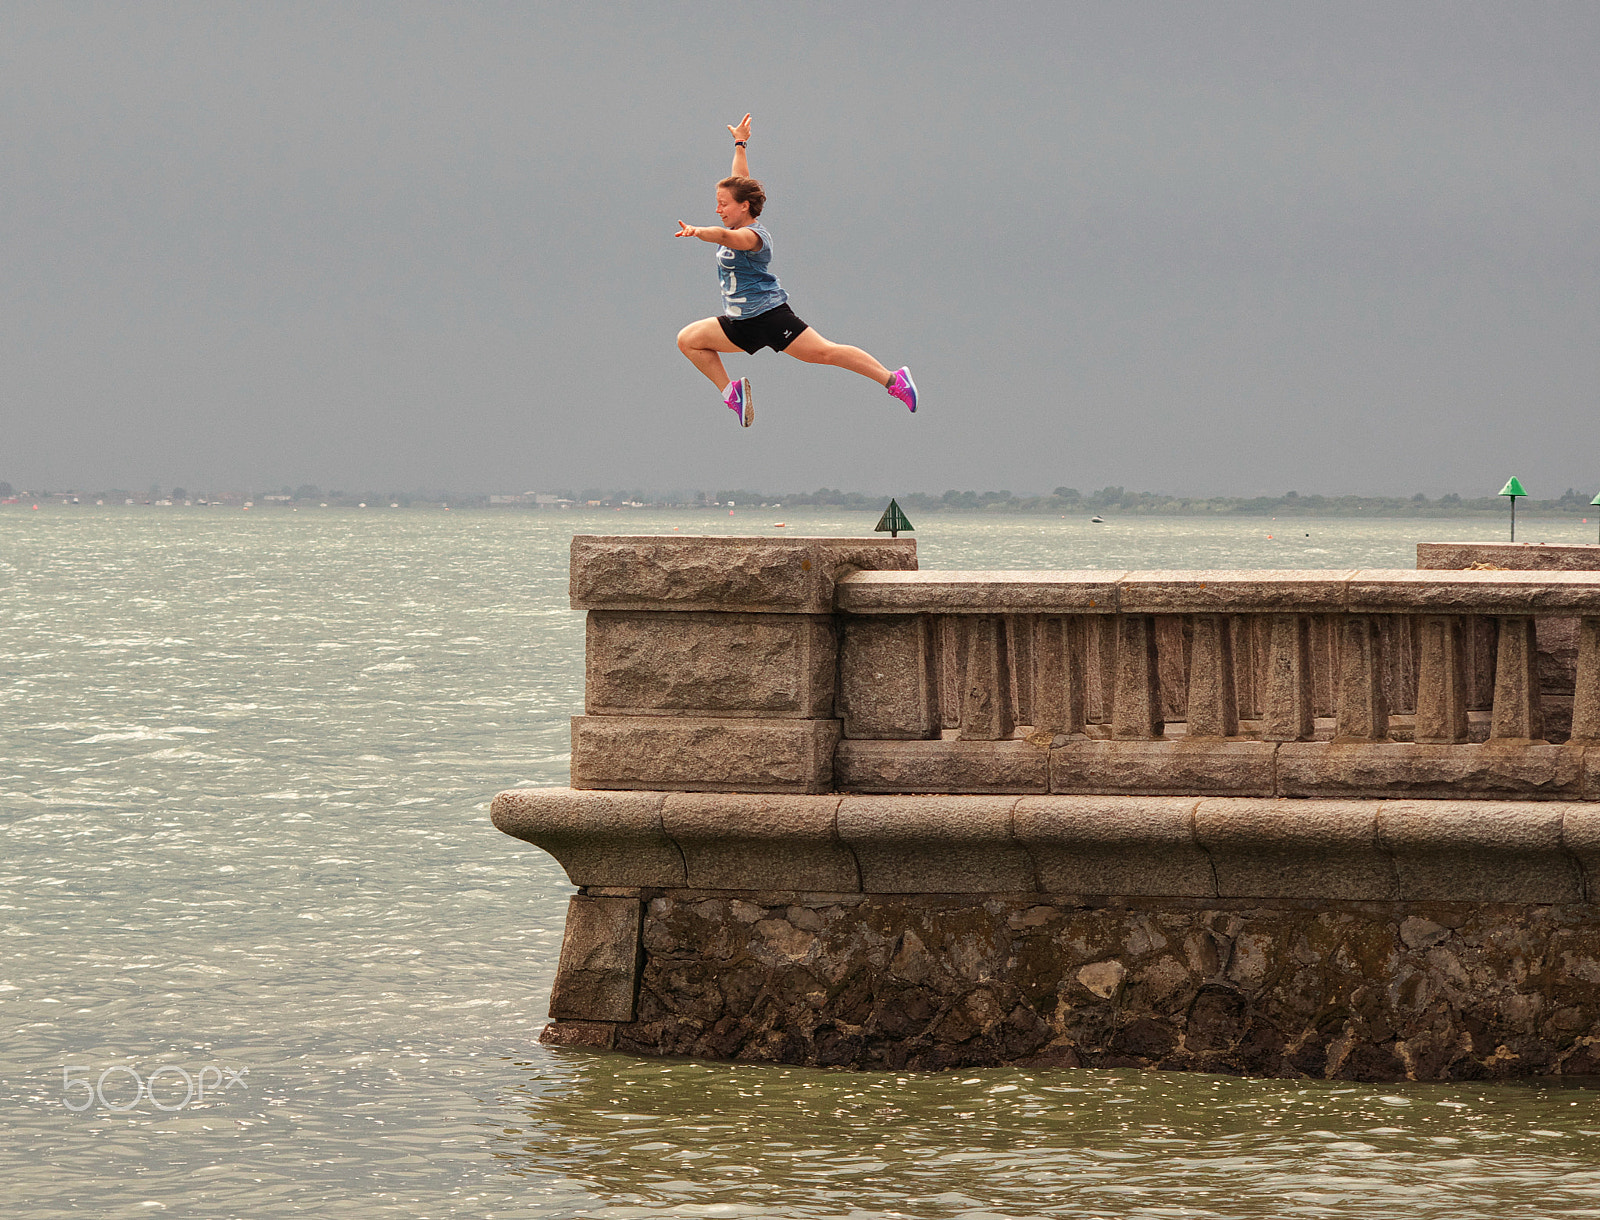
column 748, row 288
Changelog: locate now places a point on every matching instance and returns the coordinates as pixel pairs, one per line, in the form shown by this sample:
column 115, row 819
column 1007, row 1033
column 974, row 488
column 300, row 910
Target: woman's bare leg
column 814, row 349
column 702, row 341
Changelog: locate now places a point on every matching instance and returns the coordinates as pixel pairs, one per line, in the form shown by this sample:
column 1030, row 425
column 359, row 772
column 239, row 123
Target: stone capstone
column 1114, row 845
column 1479, row 851
column 729, row 842
column 914, row 844
column 793, row 575
column 1288, row 849
column 1512, row 556
column 600, row 838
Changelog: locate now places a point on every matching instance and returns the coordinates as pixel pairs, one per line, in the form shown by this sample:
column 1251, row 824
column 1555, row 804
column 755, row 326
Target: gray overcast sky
column 1193, row 247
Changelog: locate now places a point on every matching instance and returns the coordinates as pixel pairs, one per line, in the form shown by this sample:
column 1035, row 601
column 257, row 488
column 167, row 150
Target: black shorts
column 777, row 328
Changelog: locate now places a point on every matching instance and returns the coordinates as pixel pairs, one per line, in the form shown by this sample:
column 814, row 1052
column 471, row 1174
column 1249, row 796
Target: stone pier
column 830, row 809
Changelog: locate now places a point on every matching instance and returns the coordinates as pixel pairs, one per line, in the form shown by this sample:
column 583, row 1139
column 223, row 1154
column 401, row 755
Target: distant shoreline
column 1110, row 502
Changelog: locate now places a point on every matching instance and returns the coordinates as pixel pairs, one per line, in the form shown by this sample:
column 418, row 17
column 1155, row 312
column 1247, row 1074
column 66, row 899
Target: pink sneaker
column 737, row 399
column 903, row 388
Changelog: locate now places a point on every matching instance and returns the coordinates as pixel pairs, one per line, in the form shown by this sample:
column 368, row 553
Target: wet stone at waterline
column 1283, row 990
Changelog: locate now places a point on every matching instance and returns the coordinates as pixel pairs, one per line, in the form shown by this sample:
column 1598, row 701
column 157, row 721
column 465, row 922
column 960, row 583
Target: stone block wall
column 830, row 809
column 712, row 663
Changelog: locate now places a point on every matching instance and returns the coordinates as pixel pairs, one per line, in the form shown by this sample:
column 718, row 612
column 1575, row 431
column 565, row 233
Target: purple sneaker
column 903, row 388
column 737, row 399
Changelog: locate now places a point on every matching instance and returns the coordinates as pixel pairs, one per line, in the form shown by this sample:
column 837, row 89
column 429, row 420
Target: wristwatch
column 740, row 143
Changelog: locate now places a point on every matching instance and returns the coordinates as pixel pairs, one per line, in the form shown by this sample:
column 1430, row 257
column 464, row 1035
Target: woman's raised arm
column 741, row 135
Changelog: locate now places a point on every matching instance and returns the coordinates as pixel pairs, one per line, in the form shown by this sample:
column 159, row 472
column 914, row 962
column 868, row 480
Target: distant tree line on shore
column 1063, row 500
column 1149, row 503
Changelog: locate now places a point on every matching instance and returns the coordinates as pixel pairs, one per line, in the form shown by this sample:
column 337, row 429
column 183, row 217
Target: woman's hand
column 742, row 131
column 686, row 230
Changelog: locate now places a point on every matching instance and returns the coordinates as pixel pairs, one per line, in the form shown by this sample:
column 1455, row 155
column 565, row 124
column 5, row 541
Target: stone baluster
column 1136, row 705
column 1479, row 633
column 1172, row 660
column 1092, row 692
column 1247, row 675
column 1213, row 706
column 1019, row 650
column 1327, row 644
column 1586, row 693
column 986, row 713
column 1105, row 645
column 1286, row 714
column 1443, row 690
column 1400, row 662
column 952, row 633
column 1517, row 710
column 1099, row 667
column 1059, row 688
column 1261, row 637
column 1362, row 706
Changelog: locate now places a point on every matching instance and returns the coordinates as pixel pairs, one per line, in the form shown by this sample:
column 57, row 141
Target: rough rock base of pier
column 1345, row 991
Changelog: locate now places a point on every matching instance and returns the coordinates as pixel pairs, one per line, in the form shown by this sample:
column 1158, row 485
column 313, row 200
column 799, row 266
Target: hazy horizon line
column 1110, row 498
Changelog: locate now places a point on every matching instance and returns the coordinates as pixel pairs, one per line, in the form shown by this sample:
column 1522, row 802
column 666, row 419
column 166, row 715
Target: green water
column 243, row 791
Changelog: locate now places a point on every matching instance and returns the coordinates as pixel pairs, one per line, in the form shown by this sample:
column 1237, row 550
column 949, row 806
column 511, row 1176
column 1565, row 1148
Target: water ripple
column 243, row 806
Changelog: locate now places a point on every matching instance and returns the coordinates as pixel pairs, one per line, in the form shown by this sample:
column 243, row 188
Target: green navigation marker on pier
column 1513, row 489
column 893, row 521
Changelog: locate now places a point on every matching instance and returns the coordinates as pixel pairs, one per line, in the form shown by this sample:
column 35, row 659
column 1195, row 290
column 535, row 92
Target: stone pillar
column 1518, row 712
column 1586, row 693
column 1442, row 685
column 1136, row 711
column 1286, row 714
column 1058, row 688
column 888, row 677
column 1362, row 708
column 712, row 662
column 986, row 690
column 1212, row 704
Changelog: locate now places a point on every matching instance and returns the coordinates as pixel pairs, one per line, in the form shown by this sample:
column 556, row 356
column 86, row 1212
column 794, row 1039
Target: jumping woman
column 755, row 308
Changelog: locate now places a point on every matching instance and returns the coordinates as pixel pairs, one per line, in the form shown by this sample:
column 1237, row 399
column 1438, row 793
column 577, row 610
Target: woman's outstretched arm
column 734, row 239
column 741, row 135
